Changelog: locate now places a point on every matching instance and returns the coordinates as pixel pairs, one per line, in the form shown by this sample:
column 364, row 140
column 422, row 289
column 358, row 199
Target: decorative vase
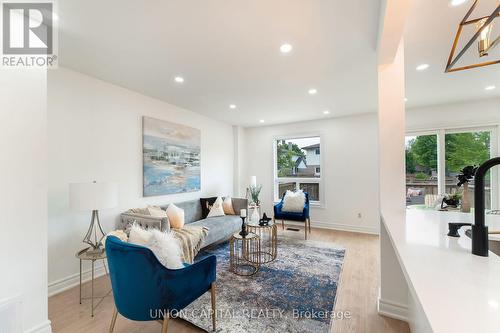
column 465, row 208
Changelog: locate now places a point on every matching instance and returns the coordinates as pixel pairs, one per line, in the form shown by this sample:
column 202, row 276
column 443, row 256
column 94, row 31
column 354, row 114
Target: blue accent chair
column 279, row 214
column 144, row 289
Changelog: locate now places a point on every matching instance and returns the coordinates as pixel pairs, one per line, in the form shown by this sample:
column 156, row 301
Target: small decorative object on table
column 264, row 220
column 450, row 200
column 464, row 177
column 243, row 215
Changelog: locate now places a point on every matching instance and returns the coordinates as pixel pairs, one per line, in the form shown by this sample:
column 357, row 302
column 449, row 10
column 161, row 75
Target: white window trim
column 494, row 152
column 321, row 180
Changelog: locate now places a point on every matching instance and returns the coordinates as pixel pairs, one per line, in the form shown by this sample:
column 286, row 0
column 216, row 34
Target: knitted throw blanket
column 190, row 238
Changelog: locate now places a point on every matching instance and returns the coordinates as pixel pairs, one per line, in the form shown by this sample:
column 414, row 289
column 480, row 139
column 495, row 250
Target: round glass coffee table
column 268, row 235
column 244, row 254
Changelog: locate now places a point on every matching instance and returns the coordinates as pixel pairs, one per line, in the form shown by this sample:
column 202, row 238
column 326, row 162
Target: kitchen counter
column 451, row 290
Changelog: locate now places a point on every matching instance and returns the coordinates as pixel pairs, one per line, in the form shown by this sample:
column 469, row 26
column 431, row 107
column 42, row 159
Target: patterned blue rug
column 295, row 293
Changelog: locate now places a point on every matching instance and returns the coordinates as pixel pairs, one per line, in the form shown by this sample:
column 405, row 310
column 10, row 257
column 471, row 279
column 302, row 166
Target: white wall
column 95, row 133
column 350, row 168
column 465, row 114
column 23, row 200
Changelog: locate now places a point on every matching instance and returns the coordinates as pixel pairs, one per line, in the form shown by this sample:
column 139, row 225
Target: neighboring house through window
column 297, row 165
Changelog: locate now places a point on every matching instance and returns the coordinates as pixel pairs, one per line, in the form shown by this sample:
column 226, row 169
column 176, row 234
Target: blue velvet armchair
column 144, row 289
column 303, row 216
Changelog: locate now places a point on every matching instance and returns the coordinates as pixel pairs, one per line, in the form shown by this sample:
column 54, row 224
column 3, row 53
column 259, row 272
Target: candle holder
column 243, row 232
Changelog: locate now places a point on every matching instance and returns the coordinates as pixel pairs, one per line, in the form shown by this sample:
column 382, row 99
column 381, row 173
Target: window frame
column 319, row 180
column 441, row 154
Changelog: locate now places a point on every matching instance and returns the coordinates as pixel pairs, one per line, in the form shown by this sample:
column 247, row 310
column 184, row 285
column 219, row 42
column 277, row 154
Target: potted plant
column 451, row 200
column 254, row 193
column 464, row 178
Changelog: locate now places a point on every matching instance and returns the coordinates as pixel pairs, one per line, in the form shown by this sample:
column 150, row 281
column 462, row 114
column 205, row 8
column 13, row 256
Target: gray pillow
column 239, row 204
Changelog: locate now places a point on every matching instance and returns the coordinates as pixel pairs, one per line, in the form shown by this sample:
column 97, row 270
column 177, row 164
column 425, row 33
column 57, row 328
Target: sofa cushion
column 227, row 204
column 219, row 228
column 217, row 209
column 205, row 206
column 175, row 216
column 192, row 210
column 239, row 204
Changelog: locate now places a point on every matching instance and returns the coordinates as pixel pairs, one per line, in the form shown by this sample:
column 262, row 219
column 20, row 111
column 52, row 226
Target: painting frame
column 171, row 158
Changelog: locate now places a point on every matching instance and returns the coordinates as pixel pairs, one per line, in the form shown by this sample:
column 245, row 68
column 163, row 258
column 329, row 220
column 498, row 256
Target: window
column 434, row 159
column 421, row 154
column 297, row 165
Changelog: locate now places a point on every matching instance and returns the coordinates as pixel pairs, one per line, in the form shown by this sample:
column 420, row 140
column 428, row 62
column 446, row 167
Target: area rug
column 294, row 293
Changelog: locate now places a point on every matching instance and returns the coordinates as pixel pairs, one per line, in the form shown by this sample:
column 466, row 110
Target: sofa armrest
column 145, row 221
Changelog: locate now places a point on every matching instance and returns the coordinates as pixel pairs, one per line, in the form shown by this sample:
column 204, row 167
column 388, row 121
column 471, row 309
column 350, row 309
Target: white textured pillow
column 166, row 248
column 156, row 211
column 217, row 209
column 228, row 206
column 175, row 216
column 138, row 235
column 294, row 202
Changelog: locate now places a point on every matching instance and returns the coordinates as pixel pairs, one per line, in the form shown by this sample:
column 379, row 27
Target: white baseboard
column 392, row 309
column 337, row 226
column 71, row 281
column 44, row 327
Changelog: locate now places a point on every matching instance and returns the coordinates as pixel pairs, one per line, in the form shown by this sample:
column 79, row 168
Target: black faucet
column 479, row 228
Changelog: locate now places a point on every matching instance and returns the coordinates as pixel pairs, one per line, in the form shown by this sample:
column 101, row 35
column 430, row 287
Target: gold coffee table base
column 268, row 235
column 244, row 254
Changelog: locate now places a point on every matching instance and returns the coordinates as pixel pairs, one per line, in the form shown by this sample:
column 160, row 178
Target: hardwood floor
column 357, row 293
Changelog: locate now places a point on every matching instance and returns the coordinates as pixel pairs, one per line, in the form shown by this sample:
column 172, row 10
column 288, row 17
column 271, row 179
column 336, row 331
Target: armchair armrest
column 184, row 285
column 145, row 221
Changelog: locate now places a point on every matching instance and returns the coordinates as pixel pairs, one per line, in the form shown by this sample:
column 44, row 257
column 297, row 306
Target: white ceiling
column 429, row 35
column 228, row 53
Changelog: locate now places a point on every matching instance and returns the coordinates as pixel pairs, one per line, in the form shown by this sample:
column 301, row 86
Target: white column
column 393, row 299
column 23, row 200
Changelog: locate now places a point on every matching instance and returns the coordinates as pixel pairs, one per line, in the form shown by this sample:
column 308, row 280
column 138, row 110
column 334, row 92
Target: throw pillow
column 294, row 202
column 120, row 234
column 175, row 216
column 206, row 204
column 139, row 236
column 217, row 209
column 228, row 206
column 156, row 211
column 166, row 248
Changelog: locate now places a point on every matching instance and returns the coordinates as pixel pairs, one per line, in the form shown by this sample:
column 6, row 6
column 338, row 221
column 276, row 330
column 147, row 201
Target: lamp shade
column 92, row 196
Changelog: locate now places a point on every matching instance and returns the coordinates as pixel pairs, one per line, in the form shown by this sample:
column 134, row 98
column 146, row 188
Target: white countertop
column 459, row 292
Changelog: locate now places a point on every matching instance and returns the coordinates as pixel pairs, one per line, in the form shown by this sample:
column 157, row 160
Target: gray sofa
column 220, row 228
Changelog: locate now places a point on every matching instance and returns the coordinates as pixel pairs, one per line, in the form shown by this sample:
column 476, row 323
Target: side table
column 244, row 258
column 268, row 235
column 85, row 255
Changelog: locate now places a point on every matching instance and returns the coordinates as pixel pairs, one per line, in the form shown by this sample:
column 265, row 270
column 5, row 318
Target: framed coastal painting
column 171, row 157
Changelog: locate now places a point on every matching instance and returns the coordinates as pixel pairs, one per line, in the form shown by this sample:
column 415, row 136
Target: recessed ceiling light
column 232, row 106
column 422, row 67
column 312, row 91
column 286, row 48
column 489, row 88
column 262, row 121
column 326, row 112
column 457, row 2
column 406, row 99
column 55, row 17
column 179, row 79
